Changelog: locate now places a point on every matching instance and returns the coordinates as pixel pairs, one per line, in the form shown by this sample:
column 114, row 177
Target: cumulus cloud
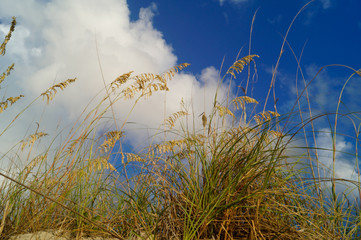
column 58, row 39
column 343, row 167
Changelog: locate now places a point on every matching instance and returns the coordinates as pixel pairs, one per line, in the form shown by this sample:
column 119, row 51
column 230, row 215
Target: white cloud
column 325, row 149
column 342, row 167
column 20, row 52
column 55, row 40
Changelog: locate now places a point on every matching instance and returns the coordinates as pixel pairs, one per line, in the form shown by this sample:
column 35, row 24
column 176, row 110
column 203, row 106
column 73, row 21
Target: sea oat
column 4, row 105
column 50, row 93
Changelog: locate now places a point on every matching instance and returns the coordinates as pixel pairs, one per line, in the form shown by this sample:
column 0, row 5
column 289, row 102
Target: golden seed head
column 204, row 120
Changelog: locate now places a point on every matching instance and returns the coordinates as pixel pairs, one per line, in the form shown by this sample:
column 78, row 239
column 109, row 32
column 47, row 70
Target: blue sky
column 326, row 32
column 203, row 32
column 55, row 40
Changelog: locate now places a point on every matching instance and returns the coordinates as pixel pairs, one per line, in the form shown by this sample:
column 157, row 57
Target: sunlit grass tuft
column 235, row 178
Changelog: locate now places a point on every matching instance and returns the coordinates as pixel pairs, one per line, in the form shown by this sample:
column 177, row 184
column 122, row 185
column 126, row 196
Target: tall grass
column 237, row 178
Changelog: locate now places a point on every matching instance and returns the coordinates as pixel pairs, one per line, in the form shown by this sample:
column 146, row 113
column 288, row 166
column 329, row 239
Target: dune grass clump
column 234, row 178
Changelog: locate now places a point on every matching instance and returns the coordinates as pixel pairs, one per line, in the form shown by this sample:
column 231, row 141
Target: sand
column 53, row 235
column 42, row 235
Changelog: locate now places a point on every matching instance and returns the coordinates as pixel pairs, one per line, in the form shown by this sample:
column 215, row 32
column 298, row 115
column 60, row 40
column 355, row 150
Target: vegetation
column 236, row 178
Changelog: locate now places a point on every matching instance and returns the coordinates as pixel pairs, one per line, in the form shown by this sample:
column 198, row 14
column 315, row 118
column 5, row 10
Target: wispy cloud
column 221, row 2
column 275, row 20
column 324, row 94
column 315, row 9
column 326, row 4
column 324, row 89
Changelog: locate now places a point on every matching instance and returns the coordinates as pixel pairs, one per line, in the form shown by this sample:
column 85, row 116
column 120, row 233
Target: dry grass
column 234, row 179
